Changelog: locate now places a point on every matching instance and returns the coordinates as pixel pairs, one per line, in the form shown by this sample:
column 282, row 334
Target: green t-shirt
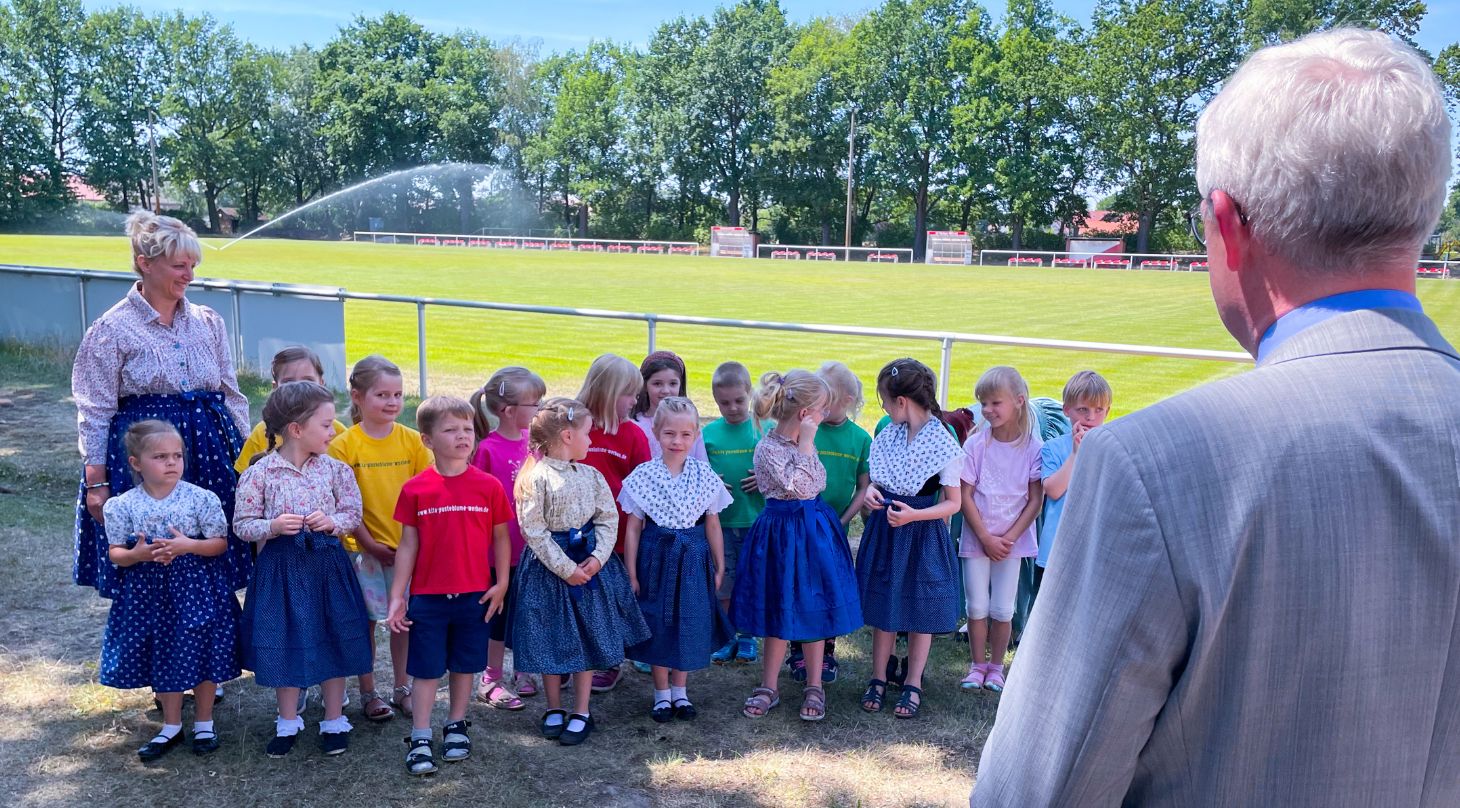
column 731, row 448
column 844, row 449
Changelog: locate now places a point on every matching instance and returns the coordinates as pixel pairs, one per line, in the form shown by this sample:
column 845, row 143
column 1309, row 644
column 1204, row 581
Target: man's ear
column 1235, row 235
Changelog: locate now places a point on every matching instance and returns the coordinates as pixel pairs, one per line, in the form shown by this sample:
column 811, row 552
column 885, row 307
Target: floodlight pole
column 851, row 158
column 152, row 147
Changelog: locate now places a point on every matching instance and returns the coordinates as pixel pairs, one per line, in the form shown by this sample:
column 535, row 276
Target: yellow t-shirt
column 382, row 466
column 257, row 442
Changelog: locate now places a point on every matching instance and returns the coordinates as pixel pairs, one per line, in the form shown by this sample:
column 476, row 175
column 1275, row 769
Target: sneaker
column 725, row 654
column 829, row 669
column 604, row 681
column 747, row 649
column 644, row 668
column 455, row 742
column 420, row 759
column 281, row 745
column 797, row 664
column 974, row 679
column 334, row 743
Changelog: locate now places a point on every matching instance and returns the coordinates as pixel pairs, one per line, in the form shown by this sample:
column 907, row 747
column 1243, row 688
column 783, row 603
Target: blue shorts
column 447, row 634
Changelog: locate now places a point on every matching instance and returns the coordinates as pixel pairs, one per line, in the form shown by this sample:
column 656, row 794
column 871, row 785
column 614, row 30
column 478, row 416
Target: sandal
column 524, row 684
column 813, row 704
column 874, row 696
column 455, row 743
column 420, row 759
column 664, row 714
column 762, row 700
column 906, row 707
column 994, row 677
column 400, row 699
column 374, row 707
column 497, row 696
column 553, row 731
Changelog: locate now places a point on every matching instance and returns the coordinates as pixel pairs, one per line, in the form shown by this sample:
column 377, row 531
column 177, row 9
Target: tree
column 302, row 168
column 22, row 142
column 663, row 97
column 1153, row 66
column 467, row 93
column 1269, row 22
column 908, row 84
column 254, row 78
column 48, row 59
column 200, row 105
column 125, row 90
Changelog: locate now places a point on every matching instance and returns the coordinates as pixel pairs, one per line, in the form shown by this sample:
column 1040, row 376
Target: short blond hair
column 781, row 396
column 1087, row 386
column 843, row 382
column 675, row 407
column 609, row 377
column 155, row 236
column 731, row 374
column 436, row 408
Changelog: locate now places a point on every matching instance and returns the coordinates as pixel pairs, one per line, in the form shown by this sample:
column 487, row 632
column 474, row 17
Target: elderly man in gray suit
column 1255, row 596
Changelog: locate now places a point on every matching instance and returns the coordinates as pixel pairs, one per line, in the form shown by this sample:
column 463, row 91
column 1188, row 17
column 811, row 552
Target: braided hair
column 912, row 380
column 290, row 403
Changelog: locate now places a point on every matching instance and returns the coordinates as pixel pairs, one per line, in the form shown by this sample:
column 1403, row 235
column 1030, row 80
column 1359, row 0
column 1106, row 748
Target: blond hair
column 143, row 434
column 1006, row 380
column 435, row 408
column 155, row 236
column 731, row 374
column 675, row 407
column 290, row 355
column 291, row 403
column 609, row 377
column 783, row 395
column 507, row 387
column 553, row 418
column 843, row 382
column 365, row 374
column 1087, row 386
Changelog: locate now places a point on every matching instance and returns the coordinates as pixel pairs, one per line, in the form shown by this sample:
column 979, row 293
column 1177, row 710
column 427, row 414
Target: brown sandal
column 400, row 698
column 813, row 704
column 374, row 707
column 762, row 700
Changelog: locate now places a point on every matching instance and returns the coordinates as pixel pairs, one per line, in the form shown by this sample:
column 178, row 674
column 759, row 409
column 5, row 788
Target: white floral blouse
column 674, row 501
column 273, row 486
column 562, row 495
column 196, row 513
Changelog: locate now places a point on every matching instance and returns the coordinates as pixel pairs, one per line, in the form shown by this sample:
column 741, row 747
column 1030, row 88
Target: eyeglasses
column 1195, row 220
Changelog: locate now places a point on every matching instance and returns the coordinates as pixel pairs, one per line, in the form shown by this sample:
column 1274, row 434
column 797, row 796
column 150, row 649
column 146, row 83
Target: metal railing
column 945, row 339
column 520, row 242
column 1426, row 268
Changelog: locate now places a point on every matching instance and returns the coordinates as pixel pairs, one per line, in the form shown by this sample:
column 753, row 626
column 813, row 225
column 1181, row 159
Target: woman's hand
column 95, row 499
column 592, row 566
column 579, row 577
column 286, row 524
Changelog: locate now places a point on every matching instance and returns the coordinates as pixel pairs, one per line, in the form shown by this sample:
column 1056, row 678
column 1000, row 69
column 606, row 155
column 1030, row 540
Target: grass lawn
column 464, row 347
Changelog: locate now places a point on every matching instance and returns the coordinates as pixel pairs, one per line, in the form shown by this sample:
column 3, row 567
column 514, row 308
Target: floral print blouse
column 273, row 486
column 782, row 472
column 562, row 495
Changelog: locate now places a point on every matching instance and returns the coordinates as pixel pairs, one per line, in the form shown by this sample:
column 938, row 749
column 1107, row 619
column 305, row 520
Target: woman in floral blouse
column 155, row 355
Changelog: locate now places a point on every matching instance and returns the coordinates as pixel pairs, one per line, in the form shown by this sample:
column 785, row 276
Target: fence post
column 943, row 377
column 81, row 289
column 240, row 357
column 653, row 327
column 421, row 343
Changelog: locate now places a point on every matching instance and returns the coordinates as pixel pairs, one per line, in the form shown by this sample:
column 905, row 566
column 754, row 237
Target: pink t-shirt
column 1000, row 474
column 502, row 459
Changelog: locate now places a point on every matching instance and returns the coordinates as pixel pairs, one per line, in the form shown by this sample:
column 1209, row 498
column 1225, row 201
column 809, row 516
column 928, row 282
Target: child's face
column 520, row 415
column 816, row 412
column 661, row 385
column 314, row 433
column 625, row 404
column 1000, row 408
column 450, row 438
column 382, row 403
column 837, row 407
column 576, row 440
column 1088, row 414
column 894, row 406
column 677, row 435
column 734, row 403
column 300, row 370
column 162, row 460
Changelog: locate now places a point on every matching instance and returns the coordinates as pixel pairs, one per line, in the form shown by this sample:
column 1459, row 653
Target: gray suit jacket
column 1254, row 599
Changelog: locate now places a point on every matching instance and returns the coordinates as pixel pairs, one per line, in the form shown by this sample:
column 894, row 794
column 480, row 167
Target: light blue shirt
column 1315, row 312
column 1051, row 458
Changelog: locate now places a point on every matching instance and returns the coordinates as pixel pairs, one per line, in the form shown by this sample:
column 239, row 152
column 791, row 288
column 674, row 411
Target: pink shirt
column 1000, row 474
column 502, row 459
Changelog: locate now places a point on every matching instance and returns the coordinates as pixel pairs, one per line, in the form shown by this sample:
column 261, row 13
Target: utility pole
column 851, row 161
column 152, row 147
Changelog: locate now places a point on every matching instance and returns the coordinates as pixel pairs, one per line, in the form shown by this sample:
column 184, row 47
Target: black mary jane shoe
column 553, row 731
column 663, row 712
column 571, row 738
column 154, row 749
column 281, row 745
column 334, row 743
column 685, row 710
column 205, row 743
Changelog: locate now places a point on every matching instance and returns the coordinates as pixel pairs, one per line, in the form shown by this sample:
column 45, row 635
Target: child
column 795, row 580
column 907, row 572
column 664, row 376
column 454, row 553
column 843, row 447
column 618, row 445
column 1002, row 494
column 293, row 364
column 174, row 624
column 383, row 454
column 1086, row 403
column 507, row 402
column 675, row 556
column 304, row 617
column 575, row 610
column 730, row 444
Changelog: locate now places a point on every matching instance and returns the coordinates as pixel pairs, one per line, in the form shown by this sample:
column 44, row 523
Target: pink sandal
column 524, row 684
column 994, row 677
column 495, row 694
column 975, row 678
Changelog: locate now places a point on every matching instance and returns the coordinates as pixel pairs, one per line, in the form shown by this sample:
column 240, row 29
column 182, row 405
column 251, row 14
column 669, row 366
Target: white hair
column 1336, row 147
column 154, row 236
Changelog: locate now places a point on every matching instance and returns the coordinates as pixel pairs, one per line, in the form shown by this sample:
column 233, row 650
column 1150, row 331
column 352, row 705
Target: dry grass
column 65, row 740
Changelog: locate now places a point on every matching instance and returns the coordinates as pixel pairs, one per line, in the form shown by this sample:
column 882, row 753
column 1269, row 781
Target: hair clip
column 894, row 370
column 790, row 395
column 502, row 388
column 570, row 415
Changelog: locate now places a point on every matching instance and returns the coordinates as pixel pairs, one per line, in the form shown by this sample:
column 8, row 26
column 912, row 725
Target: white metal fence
column 812, row 252
column 530, row 242
column 945, row 339
column 1166, row 261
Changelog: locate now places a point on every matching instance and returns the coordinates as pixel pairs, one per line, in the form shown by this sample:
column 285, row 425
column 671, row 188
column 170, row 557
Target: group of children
column 581, row 532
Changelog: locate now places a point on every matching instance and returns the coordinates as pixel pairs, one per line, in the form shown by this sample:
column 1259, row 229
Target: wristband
column 93, row 486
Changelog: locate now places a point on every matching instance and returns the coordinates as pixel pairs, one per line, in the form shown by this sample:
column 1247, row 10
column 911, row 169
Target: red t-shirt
column 455, row 517
column 615, row 456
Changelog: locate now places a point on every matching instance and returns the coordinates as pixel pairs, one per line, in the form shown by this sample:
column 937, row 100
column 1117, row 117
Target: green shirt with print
column 731, row 449
column 845, row 449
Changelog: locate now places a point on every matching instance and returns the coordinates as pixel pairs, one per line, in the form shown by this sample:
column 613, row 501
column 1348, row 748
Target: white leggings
column 990, row 587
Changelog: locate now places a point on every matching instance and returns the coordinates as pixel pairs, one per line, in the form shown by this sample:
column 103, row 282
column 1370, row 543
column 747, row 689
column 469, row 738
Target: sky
column 570, row 24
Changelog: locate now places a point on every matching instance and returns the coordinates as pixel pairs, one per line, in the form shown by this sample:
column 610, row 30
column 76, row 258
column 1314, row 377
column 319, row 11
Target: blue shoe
column 726, row 654
column 747, row 649
column 643, row 667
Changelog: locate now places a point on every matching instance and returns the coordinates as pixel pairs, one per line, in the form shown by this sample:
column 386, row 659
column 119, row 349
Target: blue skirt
column 562, row 629
column 212, row 442
column 304, row 619
column 171, row 627
column 677, row 596
column 794, row 580
column 908, row 576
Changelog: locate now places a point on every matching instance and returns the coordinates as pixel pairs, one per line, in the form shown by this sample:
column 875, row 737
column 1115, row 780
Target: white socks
column 285, row 726
column 202, row 726
column 661, row 695
column 341, row 724
column 168, row 732
column 678, row 694
column 576, row 723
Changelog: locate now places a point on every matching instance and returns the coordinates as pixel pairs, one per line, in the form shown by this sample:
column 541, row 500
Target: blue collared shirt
column 1314, row 312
